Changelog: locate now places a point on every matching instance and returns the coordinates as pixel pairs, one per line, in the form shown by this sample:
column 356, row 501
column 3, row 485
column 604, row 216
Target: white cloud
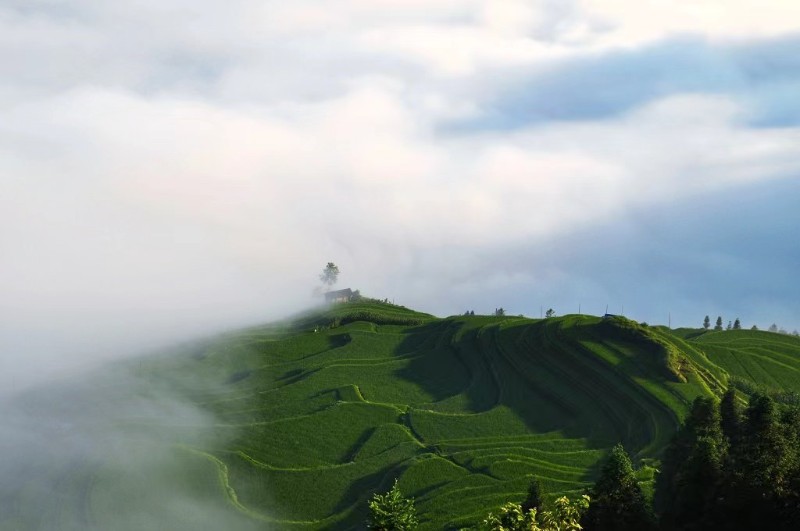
column 172, row 167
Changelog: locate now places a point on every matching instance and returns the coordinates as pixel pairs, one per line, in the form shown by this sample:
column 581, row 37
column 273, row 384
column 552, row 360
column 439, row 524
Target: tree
column 511, row 517
column 729, row 326
column 565, row 516
column 737, row 324
column 718, row 326
column 691, row 466
column 754, row 327
column 499, row 312
column 550, row 313
column 618, row 503
column 534, row 498
column 392, row 512
column 730, row 416
column 706, row 322
column 773, row 327
column 330, row 275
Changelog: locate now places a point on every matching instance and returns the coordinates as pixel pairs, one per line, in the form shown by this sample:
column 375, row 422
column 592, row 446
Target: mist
column 114, row 448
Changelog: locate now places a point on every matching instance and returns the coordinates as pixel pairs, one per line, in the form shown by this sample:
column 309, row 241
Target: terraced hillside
column 313, row 415
column 463, row 410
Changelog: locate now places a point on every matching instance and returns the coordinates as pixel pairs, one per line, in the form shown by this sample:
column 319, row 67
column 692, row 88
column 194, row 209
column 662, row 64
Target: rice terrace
column 315, row 414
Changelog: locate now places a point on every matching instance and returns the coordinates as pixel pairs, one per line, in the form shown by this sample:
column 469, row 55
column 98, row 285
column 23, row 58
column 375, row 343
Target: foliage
column 728, row 470
column 550, row 313
column 730, row 416
column 618, row 503
column 499, row 312
column 511, row 517
column 737, row 324
column 330, row 274
column 718, row 325
column 535, row 496
column 564, row 516
column 691, row 465
column 706, row 322
column 392, row 512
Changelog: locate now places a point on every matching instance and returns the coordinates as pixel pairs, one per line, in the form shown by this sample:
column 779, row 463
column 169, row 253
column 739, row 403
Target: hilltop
column 326, row 408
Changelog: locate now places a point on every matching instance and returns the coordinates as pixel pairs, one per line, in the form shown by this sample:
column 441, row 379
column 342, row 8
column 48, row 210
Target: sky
column 172, row 169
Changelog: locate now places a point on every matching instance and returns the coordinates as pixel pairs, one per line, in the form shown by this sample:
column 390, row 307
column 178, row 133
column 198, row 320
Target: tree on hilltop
column 773, row 327
column 499, row 312
column 550, row 313
column 706, row 322
column 330, row 275
column 737, row 324
column 718, row 326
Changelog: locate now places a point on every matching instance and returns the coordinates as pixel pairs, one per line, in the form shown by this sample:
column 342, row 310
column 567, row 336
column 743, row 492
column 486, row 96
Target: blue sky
column 172, row 169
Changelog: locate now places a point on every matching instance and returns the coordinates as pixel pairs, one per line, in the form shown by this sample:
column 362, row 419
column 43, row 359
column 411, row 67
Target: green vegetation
column 564, row 516
column 392, row 512
column 617, row 500
column 314, row 415
column 728, row 469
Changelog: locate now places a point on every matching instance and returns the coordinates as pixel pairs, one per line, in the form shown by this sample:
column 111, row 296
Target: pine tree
column 730, row 416
column 691, row 466
column 534, row 498
column 617, row 501
column 706, row 322
column 737, row 324
column 718, row 326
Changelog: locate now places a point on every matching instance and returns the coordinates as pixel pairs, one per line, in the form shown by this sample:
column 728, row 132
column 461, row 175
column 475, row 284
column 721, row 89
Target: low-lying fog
column 114, row 448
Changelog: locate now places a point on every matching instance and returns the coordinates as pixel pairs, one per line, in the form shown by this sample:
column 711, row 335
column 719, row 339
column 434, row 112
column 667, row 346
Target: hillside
column 323, row 410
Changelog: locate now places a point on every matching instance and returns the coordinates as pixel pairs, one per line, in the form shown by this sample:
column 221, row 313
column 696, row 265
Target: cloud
column 172, row 170
column 760, row 75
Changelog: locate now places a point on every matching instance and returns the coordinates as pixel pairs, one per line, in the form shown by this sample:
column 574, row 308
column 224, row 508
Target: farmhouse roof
column 339, row 294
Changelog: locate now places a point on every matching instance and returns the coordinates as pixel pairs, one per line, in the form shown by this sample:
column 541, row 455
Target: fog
column 112, row 449
column 171, row 170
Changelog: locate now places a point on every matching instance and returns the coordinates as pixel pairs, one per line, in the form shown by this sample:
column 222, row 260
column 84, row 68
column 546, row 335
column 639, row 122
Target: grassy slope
column 464, row 410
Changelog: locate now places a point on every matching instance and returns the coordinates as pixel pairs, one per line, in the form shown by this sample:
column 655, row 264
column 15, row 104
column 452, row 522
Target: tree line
column 737, row 325
column 731, row 465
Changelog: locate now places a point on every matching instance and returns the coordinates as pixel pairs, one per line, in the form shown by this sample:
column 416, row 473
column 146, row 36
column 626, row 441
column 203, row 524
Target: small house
column 342, row 295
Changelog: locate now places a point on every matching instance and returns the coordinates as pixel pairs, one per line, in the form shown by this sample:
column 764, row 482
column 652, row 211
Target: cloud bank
column 174, row 169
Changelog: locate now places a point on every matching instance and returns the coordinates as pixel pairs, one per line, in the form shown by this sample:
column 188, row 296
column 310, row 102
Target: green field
column 313, row 415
